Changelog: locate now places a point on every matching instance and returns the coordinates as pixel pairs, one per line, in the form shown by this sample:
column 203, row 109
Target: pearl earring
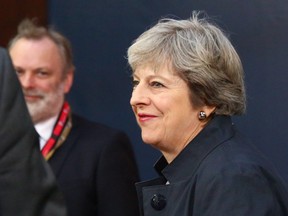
column 202, row 115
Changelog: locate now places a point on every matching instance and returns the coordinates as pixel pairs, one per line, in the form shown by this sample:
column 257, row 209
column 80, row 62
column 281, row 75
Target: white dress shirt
column 45, row 129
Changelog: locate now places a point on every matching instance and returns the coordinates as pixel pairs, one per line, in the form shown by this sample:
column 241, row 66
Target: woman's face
column 163, row 109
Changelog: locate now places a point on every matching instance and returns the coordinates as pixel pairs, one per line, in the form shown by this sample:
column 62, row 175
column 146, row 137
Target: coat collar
column 216, row 132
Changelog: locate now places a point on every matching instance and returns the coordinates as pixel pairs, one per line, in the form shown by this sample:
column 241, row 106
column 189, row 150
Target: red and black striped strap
column 60, row 132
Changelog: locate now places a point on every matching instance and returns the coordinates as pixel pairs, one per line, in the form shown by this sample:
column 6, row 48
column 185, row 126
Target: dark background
column 101, row 32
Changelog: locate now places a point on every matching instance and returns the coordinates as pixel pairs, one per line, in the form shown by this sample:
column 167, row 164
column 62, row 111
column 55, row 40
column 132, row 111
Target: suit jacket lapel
column 60, row 155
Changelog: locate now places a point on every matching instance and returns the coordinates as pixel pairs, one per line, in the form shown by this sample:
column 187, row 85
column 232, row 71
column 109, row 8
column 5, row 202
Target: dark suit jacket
column 27, row 184
column 218, row 174
column 96, row 170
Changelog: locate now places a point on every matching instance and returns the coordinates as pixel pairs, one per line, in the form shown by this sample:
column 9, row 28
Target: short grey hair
column 29, row 29
column 201, row 54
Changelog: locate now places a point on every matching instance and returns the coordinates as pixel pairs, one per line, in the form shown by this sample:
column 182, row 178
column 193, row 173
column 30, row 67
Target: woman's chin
column 149, row 140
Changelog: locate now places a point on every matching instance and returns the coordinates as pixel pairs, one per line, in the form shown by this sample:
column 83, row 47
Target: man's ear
column 68, row 81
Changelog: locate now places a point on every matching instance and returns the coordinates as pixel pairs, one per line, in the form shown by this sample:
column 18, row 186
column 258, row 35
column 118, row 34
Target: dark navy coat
column 218, row 174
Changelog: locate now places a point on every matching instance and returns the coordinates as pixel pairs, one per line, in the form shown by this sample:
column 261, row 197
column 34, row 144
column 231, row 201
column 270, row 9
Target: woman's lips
column 142, row 117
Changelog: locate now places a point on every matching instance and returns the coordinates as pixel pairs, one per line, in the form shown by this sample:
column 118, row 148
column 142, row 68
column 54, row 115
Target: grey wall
column 101, row 32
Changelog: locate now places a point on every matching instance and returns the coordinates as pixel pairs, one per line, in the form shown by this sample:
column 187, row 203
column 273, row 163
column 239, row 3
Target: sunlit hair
column 28, row 29
column 200, row 53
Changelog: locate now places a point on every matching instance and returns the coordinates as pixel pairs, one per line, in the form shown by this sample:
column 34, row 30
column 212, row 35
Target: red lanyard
column 59, row 127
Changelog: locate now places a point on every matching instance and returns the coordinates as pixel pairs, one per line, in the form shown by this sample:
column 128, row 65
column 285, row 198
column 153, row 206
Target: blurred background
column 101, row 32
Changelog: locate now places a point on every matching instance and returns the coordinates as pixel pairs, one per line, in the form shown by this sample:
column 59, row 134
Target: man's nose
column 27, row 80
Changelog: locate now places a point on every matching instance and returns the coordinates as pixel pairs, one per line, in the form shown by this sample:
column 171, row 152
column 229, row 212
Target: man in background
column 27, row 183
column 94, row 164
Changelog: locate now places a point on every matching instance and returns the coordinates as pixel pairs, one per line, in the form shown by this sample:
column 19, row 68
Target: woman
column 188, row 82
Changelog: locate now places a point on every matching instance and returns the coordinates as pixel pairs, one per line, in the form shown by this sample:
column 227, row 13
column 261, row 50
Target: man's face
column 40, row 70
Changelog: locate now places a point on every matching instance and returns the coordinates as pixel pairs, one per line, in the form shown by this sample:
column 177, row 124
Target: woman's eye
column 135, row 83
column 156, row 84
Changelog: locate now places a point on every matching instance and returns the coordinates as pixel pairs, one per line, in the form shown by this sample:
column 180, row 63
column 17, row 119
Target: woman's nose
column 140, row 96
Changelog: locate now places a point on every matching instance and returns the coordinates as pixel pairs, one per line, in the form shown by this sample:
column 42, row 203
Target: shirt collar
column 45, row 128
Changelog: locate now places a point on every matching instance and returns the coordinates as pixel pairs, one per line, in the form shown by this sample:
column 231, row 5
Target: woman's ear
column 209, row 110
column 206, row 112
